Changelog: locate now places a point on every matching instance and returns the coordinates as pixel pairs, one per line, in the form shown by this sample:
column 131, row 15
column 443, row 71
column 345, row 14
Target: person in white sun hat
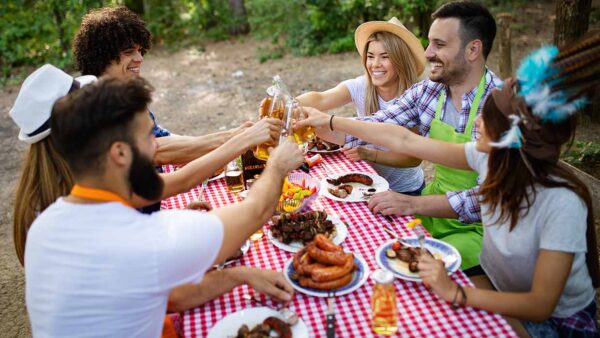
column 392, row 58
column 45, row 175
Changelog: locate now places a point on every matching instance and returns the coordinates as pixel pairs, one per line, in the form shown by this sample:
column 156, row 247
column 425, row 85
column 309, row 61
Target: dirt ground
column 198, row 92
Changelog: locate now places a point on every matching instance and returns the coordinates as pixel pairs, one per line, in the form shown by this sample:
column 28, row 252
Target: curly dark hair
column 103, row 34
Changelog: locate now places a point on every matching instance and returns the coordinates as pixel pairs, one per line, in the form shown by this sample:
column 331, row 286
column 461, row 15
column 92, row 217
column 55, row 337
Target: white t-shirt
column 105, row 270
column 400, row 179
column 556, row 221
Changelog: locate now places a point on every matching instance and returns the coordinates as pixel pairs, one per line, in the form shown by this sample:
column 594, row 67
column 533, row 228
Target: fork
column 420, row 236
column 289, row 316
column 330, row 314
column 201, row 191
column 327, row 170
column 396, row 237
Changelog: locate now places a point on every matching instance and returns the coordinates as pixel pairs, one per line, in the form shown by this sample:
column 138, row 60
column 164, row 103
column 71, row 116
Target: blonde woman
column 392, row 58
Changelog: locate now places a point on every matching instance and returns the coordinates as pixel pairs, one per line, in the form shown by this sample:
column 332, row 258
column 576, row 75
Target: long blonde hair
column 45, row 176
column 403, row 61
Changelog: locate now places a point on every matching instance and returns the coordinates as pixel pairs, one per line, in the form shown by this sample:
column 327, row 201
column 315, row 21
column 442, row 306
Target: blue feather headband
column 535, row 87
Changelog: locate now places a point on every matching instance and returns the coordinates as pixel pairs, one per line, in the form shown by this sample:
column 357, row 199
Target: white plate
column 245, row 247
column 379, row 184
column 229, row 326
column 341, row 232
column 445, row 251
column 361, row 274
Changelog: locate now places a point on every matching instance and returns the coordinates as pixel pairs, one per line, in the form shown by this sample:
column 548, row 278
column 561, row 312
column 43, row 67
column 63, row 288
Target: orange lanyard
column 97, row 195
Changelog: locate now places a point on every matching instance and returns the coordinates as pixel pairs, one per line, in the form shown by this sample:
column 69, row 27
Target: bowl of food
column 298, row 192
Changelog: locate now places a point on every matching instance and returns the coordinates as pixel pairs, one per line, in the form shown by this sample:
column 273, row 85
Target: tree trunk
column 572, row 21
column 59, row 17
column 504, row 50
column 136, row 6
column 240, row 19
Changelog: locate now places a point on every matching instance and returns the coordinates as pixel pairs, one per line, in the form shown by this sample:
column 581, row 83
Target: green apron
column 466, row 238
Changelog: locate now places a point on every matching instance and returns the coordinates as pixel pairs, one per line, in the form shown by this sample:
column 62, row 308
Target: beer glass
column 272, row 106
column 233, row 176
column 305, row 134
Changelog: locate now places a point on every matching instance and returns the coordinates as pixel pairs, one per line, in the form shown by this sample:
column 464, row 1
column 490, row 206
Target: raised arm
column 179, row 150
column 242, row 219
column 329, row 99
column 202, row 168
column 393, row 137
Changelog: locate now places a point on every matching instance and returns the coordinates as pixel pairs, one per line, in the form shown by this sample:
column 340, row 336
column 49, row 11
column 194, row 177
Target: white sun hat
column 394, row 26
column 39, row 92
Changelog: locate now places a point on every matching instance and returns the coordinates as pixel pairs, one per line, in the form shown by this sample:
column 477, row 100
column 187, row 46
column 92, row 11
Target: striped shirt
column 405, row 180
column 416, row 108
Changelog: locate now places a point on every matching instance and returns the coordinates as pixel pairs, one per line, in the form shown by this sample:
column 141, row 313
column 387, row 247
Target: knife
column 330, row 317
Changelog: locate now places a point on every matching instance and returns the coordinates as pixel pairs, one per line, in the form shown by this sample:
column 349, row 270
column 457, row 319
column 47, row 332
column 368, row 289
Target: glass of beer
column 233, row 176
column 271, row 106
column 305, row 134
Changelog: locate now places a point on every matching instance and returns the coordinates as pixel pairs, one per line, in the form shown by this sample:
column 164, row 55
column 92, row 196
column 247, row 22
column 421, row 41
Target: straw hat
column 395, row 27
column 32, row 108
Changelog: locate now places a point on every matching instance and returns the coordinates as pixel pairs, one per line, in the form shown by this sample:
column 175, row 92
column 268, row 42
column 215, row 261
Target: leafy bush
column 34, row 32
column 583, row 153
column 309, row 27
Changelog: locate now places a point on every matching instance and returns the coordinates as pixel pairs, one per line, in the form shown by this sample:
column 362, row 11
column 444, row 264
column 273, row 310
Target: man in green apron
column 444, row 107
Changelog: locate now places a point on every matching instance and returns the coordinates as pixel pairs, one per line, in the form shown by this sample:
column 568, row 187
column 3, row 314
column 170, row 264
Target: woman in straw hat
column 539, row 244
column 393, row 58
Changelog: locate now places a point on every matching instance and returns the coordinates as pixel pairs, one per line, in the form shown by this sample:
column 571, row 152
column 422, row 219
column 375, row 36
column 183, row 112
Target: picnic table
column 420, row 312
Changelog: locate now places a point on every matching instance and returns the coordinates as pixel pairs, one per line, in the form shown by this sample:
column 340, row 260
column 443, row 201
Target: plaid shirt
column 416, row 107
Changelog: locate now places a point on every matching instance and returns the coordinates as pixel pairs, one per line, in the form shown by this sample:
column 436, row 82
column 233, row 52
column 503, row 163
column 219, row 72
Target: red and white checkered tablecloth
column 421, row 313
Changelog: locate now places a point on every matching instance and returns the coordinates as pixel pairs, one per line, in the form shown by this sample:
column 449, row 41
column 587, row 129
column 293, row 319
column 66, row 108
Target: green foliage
column 583, row 153
column 38, row 32
column 34, row 32
column 309, row 27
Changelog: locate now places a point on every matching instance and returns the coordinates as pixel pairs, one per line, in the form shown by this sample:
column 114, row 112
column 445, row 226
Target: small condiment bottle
column 314, row 160
column 383, row 303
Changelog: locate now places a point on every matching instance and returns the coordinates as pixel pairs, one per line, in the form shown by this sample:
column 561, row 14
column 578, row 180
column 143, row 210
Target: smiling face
column 379, row 65
column 446, row 52
column 129, row 63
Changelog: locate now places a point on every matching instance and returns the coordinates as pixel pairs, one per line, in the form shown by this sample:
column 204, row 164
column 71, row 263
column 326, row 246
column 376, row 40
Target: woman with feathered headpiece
column 539, row 248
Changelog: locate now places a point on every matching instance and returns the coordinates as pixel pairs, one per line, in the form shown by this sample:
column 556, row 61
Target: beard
column 453, row 72
column 143, row 178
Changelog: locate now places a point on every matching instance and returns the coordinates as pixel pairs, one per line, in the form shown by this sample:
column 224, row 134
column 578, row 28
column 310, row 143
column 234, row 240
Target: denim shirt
column 158, row 131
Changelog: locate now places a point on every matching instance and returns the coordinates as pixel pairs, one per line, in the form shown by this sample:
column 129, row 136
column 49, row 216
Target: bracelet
column 375, row 160
column 455, row 304
column 331, row 122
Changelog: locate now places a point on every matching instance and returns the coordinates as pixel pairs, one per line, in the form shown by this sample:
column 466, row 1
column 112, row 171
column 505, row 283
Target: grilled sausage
column 334, row 284
column 326, row 257
column 351, row 178
column 325, row 243
column 330, row 273
column 282, row 328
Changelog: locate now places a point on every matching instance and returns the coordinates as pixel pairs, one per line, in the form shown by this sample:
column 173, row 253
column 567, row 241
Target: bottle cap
column 382, row 276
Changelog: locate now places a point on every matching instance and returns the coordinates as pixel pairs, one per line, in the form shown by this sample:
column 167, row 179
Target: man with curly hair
column 112, row 41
